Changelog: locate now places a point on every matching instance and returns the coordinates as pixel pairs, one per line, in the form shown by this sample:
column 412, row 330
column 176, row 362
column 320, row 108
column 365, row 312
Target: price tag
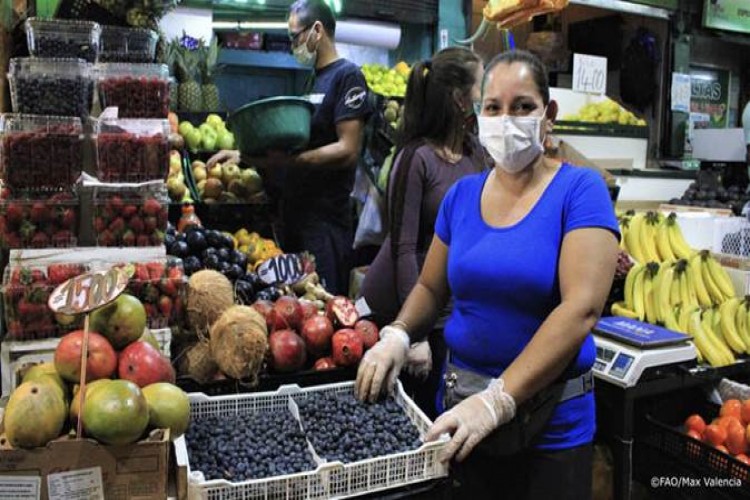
column 82, row 484
column 681, row 92
column 589, row 74
column 285, row 269
column 20, row 487
column 89, row 291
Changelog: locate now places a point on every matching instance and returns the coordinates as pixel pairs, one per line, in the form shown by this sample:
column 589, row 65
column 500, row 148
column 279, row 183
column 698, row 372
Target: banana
column 629, row 285
column 670, row 320
column 664, row 283
column 676, row 240
column 684, row 318
column 717, row 297
column 716, row 338
column 674, row 293
column 648, row 238
column 687, row 295
column 695, row 280
column 621, row 309
column 639, row 293
column 633, row 238
column 720, row 276
column 743, row 323
column 662, row 242
column 624, row 227
column 727, row 317
column 703, row 343
column 648, row 294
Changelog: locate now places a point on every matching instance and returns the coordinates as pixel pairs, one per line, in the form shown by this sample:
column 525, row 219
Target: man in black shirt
column 317, row 211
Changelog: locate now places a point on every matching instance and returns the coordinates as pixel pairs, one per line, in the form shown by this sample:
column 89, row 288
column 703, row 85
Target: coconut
column 209, row 294
column 239, row 341
column 196, row 362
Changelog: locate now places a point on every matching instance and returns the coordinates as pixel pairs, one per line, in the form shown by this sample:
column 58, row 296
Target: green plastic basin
column 276, row 123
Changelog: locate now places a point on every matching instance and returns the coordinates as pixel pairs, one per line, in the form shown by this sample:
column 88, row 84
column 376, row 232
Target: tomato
column 743, row 458
column 722, row 449
column 715, row 435
column 736, row 442
column 745, row 412
column 695, row 422
column 693, row 449
column 731, row 408
column 694, row 434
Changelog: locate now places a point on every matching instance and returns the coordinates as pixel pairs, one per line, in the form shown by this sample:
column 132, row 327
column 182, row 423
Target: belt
column 578, row 386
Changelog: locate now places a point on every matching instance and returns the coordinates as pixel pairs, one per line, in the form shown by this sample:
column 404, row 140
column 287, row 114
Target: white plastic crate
column 329, row 480
column 731, row 235
column 14, row 355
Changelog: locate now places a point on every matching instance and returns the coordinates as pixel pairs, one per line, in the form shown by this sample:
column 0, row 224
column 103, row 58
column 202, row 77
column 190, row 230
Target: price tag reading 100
column 89, row 291
column 589, row 74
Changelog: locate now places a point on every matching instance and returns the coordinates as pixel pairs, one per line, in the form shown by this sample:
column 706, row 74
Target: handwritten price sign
column 589, row 74
column 89, row 291
column 285, row 269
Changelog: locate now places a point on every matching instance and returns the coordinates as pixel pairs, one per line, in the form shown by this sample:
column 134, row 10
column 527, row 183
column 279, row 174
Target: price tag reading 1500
column 89, row 291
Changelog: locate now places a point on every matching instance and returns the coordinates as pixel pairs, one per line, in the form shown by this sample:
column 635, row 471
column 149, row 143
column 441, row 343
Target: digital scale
column 628, row 350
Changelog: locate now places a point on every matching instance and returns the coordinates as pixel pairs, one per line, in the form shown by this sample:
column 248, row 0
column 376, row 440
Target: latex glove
column 382, row 362
column 473, row 419
column 224, row 156
column 419, row 360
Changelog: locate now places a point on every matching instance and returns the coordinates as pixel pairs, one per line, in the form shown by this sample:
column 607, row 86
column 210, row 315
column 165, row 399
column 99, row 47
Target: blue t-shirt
column 505, row 282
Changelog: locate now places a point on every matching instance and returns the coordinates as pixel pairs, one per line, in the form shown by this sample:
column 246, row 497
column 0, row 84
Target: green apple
column 193, row 139
column 226, row 140
column 184, row 128
column 209, row 141
column 214, row 120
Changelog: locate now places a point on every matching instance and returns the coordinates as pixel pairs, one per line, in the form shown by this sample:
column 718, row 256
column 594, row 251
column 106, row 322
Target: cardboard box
column 135, row 472
column 563, row 151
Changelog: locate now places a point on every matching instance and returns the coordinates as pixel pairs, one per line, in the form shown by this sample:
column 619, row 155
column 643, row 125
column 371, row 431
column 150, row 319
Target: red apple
column 101, row 359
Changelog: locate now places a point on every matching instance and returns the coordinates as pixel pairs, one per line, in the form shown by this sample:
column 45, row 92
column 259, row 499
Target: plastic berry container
column 54, row 38
column 40, row 153
column 131, row 45
column 132, row 150
column 36, row 222
column 137, row 90
column 26, row 290
column 160, row 284
column 130, row 215
column 61, row 87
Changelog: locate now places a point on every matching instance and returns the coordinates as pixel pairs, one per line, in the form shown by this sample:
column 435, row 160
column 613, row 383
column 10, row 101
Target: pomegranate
column 264, row 307
column 101, row 358
column 288, row 352
column 342, row 311
column 324, row 364
column 308, row 309
column 290, row 310
column 317, row 332
column 347, row 347
column 144, row 365
column 369, row 332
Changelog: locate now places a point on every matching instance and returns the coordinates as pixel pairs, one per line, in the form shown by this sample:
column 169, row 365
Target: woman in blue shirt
column 527, row 251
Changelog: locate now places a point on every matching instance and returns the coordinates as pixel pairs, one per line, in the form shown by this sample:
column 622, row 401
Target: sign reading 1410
column 589, row 74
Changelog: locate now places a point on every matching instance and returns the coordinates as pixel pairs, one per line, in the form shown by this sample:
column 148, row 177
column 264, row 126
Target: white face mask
column 514, row 142
column 304, row 56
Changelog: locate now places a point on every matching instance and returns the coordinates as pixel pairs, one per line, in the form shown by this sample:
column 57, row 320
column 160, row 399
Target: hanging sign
column 589, row 74
column 730, row 15
column 89, row 291
column 709, row 94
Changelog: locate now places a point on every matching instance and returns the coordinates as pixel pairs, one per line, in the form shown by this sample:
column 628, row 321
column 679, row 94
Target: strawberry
column 150, row 224
column 12, row 240
column 117, row 226
column 142, row 241
column 141, row 273
column 128, row 238
column 15, row 329
column 25, row 308
column 63, row 239
column 175, row 274
column 39, row 212
column 129, row 211
column 67, row 218
column 115, row 204
column 50, row 229
column 150, row 310
column 38, row 276
column 99, row 224
column 56, row 198
column 59, row 273
column 106, row 238
column 168, row 287
column 14, row 214
column 165, row 306
column 136, row 224
column 155, row 270
column 39, row 240
column 151, row 207
column 150, row 294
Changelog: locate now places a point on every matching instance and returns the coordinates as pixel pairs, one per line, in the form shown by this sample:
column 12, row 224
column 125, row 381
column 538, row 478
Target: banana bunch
column 652, row 237
column 672, row 292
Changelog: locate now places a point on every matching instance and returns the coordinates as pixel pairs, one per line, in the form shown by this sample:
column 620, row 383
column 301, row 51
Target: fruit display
column 26, row 290
column 127, row 45
column 132, row 150
column 245, row 447
column 392, row 112
column 729, row 432
column 176, row 183
column 39, row 223
column 227, row 183
column 255, row 247
column 211, row 135
column 130, row 217
column 137, row 90
column 40, row 153
column 63, row 87
column 707, row 195
column 55, row 38
column 606, row 111
column 388, row 82
column 341, row 428
column 652, row 237
column 238, row 342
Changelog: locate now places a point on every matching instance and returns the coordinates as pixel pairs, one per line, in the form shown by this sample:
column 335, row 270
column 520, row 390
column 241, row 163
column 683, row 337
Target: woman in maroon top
column 437, row 146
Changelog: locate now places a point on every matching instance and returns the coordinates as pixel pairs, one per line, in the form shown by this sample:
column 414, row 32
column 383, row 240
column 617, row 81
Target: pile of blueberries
column 341, row 428
column 53, row 46
column 38, row 94
column 245, row 447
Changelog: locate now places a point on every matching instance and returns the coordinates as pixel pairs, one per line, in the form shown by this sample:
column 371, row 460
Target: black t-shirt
column 339, row 93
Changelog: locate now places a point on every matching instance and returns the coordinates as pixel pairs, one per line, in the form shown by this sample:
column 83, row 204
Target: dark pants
column 529, row 475
column 330, row 243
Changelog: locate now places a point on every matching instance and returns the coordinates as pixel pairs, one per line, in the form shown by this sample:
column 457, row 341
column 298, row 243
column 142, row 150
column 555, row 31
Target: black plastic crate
column 673, row 465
